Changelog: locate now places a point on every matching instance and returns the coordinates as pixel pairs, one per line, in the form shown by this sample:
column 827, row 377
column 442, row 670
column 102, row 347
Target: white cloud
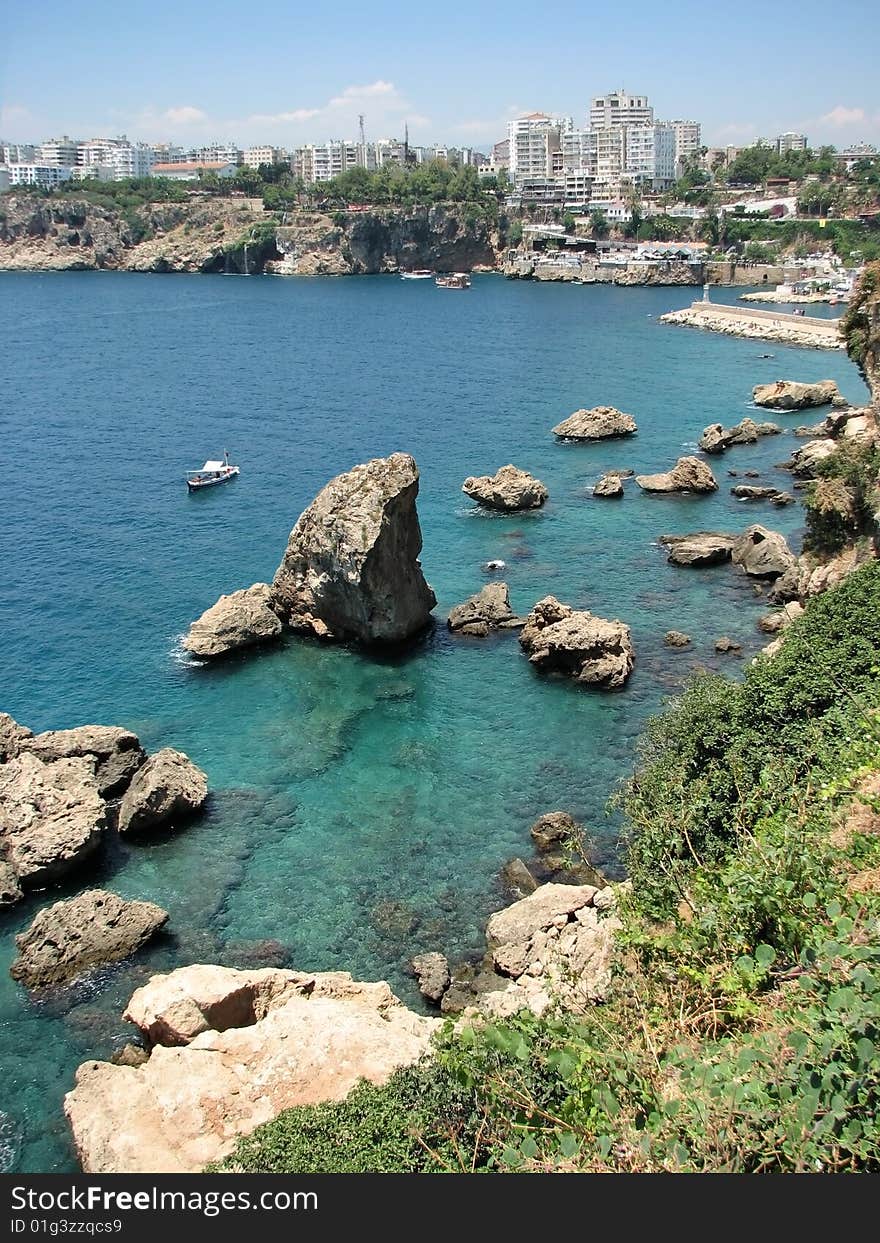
column 187, row 115
column 283, row 118
column 374, row 90
column 841, row 115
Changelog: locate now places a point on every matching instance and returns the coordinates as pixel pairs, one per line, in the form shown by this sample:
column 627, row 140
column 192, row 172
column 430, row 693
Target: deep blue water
column 339, row 782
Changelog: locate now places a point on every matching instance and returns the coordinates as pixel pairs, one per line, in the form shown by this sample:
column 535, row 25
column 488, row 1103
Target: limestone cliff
column 861, row 327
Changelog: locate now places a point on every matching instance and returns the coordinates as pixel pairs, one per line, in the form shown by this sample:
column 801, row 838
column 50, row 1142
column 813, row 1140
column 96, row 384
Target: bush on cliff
column 841, row 502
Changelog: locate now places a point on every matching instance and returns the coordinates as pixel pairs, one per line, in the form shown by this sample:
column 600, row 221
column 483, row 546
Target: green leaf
column 765, row 955
column 568, row 1145
column 865, row 1051
column 603, row 1143
column 810, row 900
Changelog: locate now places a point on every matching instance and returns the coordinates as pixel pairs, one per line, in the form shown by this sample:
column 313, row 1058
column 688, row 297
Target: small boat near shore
column 455, row 280
column 420, row 274
column 212, row 473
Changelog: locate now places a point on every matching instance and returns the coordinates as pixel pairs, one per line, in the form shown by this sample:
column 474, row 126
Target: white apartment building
column 791, row 142
column 214, row 153
column 113, row 159
column 650, row 156
column 317, row 163
column 578, row 150
column 609, row 159
column 851, row 156
column 57, row 151
column 47, row 176
column 534, row 140
column 578, row 188
column 189, row 170
column 619, row 108
column 253, row 157
column 17, row 153
column 687, row 143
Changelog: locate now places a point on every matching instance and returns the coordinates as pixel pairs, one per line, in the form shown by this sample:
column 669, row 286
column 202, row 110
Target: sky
column 286, row 73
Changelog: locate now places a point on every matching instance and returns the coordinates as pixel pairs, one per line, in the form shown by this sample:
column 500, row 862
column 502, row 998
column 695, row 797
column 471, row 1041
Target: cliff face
column 445, row 237
column 69, row 234
column 861, row 327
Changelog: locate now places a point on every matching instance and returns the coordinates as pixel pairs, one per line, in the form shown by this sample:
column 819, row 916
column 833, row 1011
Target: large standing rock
column 432, row 972
column 307, row 1041
column 12, row 737
column 483, row 612
column 351, row 568
column 702, row 548
column 117, row 753
column 688, row 474
column 169, row 787
column 792, row 395
column 716, row 438
column 589, row 649
column 94, row 927
column 763, row 553
column 600, row 423
column 51, row 817
column 609, row 486
column 238, row 620
column 508, row 489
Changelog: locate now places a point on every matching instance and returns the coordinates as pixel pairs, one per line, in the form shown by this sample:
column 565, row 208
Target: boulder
column 241, row 619
column 609, row 486
column 483, row 612
column 12, row 736
column 117, row 753
column 724, row 644
column 600, row 423
column 771, row 623
column 187, row 1106
column 804, row 461
column 508, row 489
column 762, row 553
column 716, row 438
column 351, row 567
column 676, row 638
column 169, row 788
column 688, row 475
column 589, row 649
column 70, row 937
column 792, row 395
column 51, row 818
column 517, row 878
column 781, row 499
column 432, row 972
column 554, row 829
column 702, row 548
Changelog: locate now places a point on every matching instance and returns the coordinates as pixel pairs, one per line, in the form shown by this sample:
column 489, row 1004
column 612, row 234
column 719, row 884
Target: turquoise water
column 339, row 783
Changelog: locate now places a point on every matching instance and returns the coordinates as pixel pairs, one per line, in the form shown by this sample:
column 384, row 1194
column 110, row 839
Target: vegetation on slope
column 743, row 1032
column 861, row 326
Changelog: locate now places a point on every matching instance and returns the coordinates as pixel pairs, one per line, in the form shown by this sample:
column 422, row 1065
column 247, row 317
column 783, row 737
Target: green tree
column 599, row 226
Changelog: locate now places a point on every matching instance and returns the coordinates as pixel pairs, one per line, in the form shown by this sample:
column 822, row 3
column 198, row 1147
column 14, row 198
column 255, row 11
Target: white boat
column 212, row 473
column 420, row 274
column 456, row 280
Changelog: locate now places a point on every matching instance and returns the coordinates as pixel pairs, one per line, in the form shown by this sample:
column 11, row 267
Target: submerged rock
column 589, row 649
column 688, row 475
column 69, row 937
column 724, row 644
column 609, row 485
column 716, row 438
column 351, row 568
column 238, row 620
column 169, row 788
column 676, row 638
column 117, row 753
column 763, row 553
column 702, row 548
column 482, row 612
column 599, row 423
column 792, row 395
column 266, row 1041
column 508, row 489
column 517, row 878
column 432, row 973
column 51, row 818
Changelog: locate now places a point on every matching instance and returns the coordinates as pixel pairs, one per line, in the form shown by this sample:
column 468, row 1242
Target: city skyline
column 190, row 77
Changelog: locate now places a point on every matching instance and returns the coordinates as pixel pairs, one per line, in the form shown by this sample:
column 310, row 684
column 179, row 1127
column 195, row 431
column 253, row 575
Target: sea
column 362, row 806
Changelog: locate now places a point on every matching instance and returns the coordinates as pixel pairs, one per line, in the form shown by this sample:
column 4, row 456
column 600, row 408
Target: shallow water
column 361, row 808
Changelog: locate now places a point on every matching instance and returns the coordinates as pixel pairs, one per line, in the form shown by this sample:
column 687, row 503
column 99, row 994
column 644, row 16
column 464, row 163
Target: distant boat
column 420, row 274
column 211, row 474
column 456, row 280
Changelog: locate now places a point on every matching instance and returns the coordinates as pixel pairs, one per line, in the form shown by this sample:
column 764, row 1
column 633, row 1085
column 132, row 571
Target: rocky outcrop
column 239, row 620
column 810, row 577
column 688, row 474
column 748, row 492
column 716, row 438
column 609, row 486
column 51, row 817
column 554, row 829
column 168, row 790
column 805, row 460
column 480, row 613
column 599, row 423
column 727, row 645
column 700, row 549
column 12, row 737
column 590, row 649
column 70, row 937
column 261, row 1045
column 676, row 638
column 116, row 753
column 351, row 568
column 508, row 489
column 772, row 623
column 861, row 327
column 792, row 395
column 762, row 553
column 432, row 973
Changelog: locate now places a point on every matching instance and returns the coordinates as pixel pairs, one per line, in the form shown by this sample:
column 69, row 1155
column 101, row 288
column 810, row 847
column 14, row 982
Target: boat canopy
column 211, row 466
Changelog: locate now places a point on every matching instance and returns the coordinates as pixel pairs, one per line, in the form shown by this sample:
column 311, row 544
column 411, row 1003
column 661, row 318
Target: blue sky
column 285, row 73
